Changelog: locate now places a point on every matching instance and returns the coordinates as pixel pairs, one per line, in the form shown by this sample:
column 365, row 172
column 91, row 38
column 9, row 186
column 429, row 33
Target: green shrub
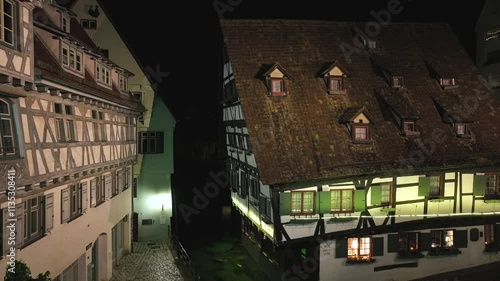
column 21, row 272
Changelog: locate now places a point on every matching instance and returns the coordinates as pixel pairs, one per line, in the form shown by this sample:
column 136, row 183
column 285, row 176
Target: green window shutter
column 479, row 185
column 378, row 246
column 424, row 186
column 425, row 241
column 325, row 202
column 285, row 203
column 460, row 238
column 392, row 243
column 359, row 200
column 375, row 195
column 341, row 248
column 497, row 233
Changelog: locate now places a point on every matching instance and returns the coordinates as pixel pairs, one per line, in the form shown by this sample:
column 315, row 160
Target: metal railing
column 184, row 256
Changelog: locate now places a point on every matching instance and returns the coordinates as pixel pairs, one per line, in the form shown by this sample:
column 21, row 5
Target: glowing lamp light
column 161, row 200
column 411, row 249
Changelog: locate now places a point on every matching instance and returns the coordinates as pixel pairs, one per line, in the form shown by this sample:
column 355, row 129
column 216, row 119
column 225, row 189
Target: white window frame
column 122, row 82
column 65, row 23
column 102, row 74
column 73, row 58
column 5, row 15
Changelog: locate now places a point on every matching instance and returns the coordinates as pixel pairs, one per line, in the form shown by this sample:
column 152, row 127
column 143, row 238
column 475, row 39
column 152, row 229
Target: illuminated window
column 442, row 238
column 359, row 248
column 302, row 202
column 342, row 200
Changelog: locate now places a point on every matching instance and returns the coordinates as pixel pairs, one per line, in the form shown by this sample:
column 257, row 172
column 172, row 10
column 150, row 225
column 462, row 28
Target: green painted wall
column 153, row 180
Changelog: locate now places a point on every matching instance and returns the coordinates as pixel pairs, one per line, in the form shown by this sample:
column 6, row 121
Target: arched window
column 7, row 142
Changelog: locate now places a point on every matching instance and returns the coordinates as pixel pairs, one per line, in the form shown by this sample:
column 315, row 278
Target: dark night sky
column 183, row 37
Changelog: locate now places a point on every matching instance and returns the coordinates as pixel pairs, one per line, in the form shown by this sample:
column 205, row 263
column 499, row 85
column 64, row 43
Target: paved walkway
column 150, row 261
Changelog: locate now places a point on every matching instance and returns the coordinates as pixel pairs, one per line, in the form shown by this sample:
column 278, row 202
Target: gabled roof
column 352, row 112
column 47, row 67
column 268, row 70
column 304, row 140
column 330, row 66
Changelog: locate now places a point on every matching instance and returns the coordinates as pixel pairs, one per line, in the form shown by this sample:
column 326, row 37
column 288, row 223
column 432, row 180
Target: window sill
column 277, row 94
column 444, row 251
column 337, row 92
column 465, row 136
column 450, row 87
column 74, row 218
column 360, row 261
column 32, row 241
column 362, row 141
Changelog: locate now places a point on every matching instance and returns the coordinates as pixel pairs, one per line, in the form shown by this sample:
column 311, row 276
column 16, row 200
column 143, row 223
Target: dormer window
column 443, row 73
column 336, row 83
column 277, row 87
column 102, row 73
column 409, row 128
column 397, row 81
column 333, row 75
column 358, row 122
column 123, row 82
column 462, row 130
column 71, row 58
column 274, row 77
column 371, row 44
column 65, row 23
column 447, row 82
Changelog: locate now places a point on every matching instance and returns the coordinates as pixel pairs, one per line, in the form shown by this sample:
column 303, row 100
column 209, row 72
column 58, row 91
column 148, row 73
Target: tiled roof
column 49, row 68
column 299, row 137
column 398, row 101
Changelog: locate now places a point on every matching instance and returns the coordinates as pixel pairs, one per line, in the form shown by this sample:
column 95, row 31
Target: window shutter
column 425, row 241
column 359, row 200
column 496, row 231
column 325, row 202
column 392, row 243
column 65, row 205
column 460, row 238
column 424, row 184
column 85, row 197
column 120, row 181
column 262, row 205
column 19, row 225
column 378, row 246
column 479, row 185
column 474, row 234
column 49, row 212
column 285, row 203
column 93, row 193
column 375, row 195
column 159, row 142
column 341, row 248
column 108, row 183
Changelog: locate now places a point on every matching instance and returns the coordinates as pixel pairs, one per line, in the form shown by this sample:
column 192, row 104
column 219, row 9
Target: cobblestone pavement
column 150, row 261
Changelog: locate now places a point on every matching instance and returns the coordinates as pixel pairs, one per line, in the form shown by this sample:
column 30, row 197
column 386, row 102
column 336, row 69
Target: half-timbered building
column 356, row 157
column 68, row 144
